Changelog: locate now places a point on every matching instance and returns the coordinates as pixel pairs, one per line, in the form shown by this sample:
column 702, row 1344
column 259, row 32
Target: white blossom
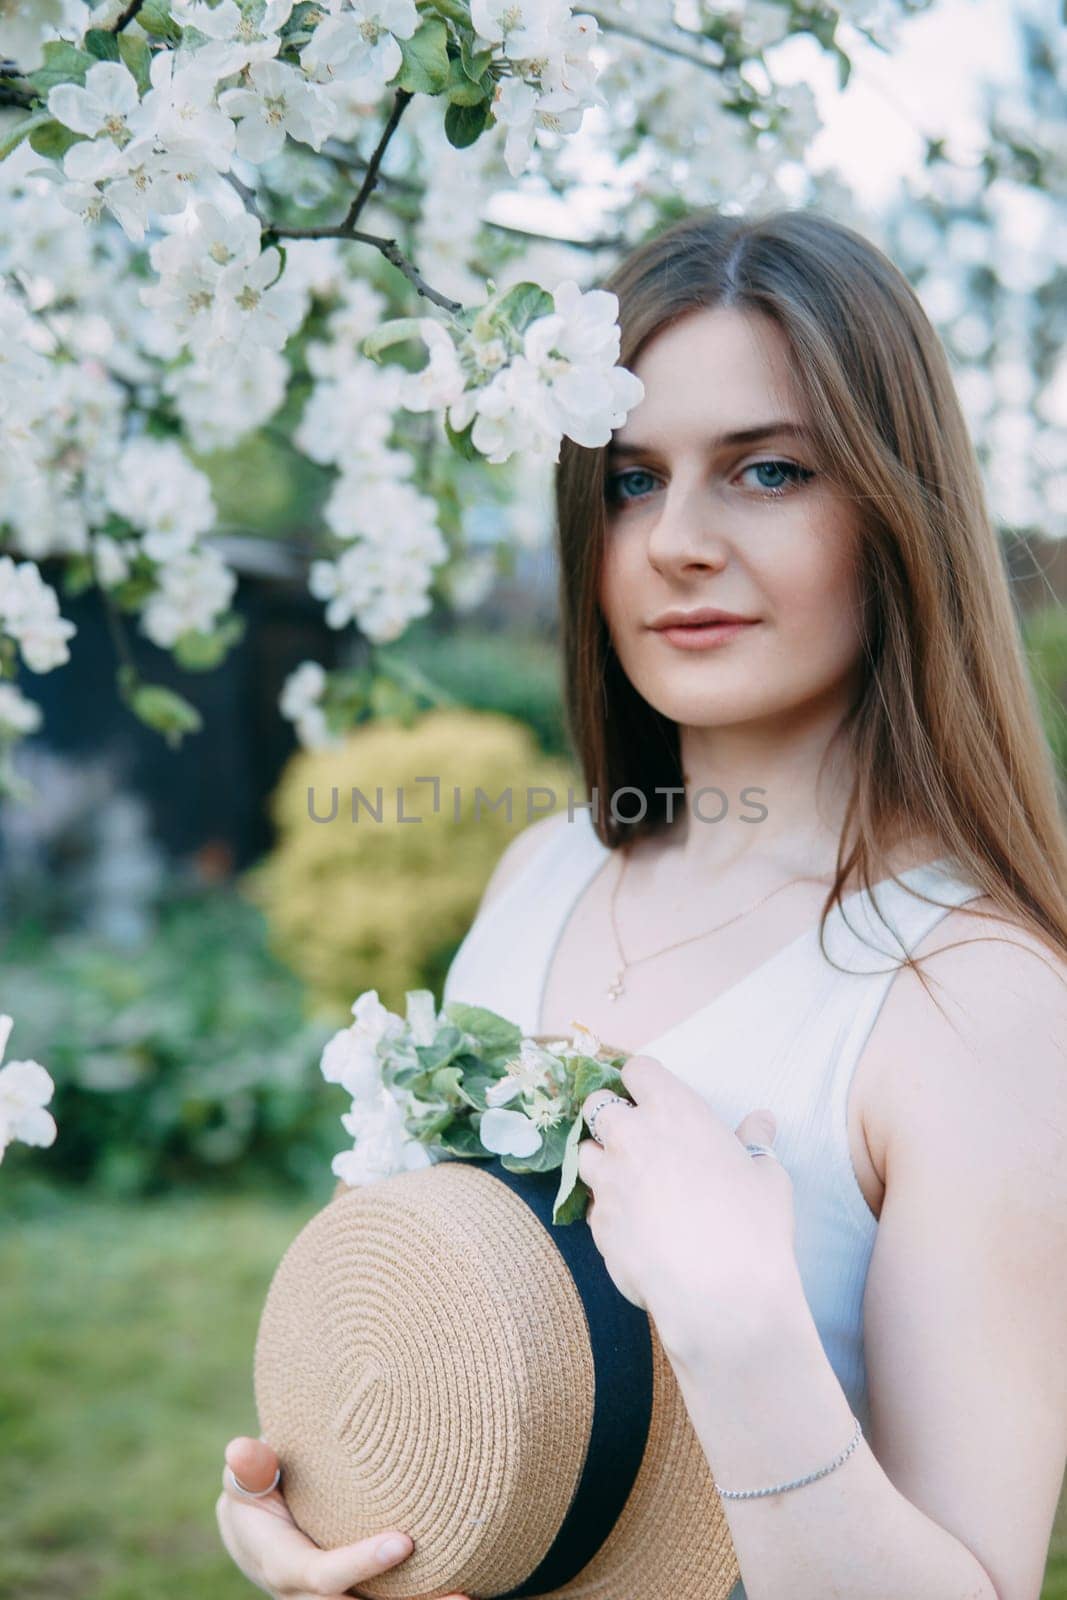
column 278, row 100
column 193, row 590
column 29, row 611
column 360, row 42
column 382, row 1145
column 17, row 714
column 236, row 35
column 509, row 1133
column 104, row 106
column 25, row 1089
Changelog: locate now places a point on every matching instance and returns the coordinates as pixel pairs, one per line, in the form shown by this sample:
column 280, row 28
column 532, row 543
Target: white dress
column 787, row 1035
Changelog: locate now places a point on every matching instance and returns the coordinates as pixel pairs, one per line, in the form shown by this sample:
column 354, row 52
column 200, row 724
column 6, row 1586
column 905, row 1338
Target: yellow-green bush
column 383, row 905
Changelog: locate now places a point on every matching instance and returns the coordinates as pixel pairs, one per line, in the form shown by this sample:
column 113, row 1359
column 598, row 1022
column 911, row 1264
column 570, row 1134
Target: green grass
column 126, row 1336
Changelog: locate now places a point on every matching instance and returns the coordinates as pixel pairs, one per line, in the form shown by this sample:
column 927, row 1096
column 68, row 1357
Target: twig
column 388, row 248
column 348, row 230
column 118, row 633
column 402, row 99
column 125, row 16
column 656, row 41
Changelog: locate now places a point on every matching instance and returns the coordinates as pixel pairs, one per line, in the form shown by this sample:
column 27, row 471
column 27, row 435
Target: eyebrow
column 762, row 430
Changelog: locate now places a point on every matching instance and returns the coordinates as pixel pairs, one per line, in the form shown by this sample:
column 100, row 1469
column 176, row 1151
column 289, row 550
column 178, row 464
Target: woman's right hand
column 262, row 1538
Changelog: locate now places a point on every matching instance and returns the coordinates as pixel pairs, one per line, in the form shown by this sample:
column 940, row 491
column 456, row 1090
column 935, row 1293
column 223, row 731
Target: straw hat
column 435, row 1355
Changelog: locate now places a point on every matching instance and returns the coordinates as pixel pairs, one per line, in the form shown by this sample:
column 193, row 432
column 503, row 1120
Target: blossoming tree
column 210, row 208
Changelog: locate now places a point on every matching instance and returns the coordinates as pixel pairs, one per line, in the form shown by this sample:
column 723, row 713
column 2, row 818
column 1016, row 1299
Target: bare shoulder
column 991, row 1033
column 518, row 852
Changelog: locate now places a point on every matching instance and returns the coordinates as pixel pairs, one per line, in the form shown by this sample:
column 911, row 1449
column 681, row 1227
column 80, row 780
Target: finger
column 252, row 1460
column 608, row 1099
column 285, row 1559
column 349, row 1564
column 758, row 1127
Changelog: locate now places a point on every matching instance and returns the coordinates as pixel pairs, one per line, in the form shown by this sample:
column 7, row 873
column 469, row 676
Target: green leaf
column 522, row 304
column 425, row 65
column 52, row 139
column 395, row 331
column 475, row 63
column 165, row 711
column 495, row 1036
column 78, row 575
column 200, row 652
column 14, row 136
column 463, row 442
column 155, row 18
column 132, row 592
column 389, row 699
column 574, row 1207
column 465, row 124
column 301, row 19
column 102, row 44
column 568, row 1175
column 62, row 64
column 548, row 1157
column 448, row 1044
column 461, row 1139
column 446, row 1081
column 844, row 66
column 138, row 58
column 475, row 1082
column 462, row 91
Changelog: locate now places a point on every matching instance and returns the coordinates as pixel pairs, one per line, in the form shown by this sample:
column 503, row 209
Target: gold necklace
column 615, row 989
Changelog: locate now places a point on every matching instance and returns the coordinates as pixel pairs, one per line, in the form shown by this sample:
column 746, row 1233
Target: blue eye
column 788, row 475
column 785, row 477
column 616, row 479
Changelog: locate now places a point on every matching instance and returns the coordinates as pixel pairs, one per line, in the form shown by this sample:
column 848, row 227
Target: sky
column 873, row 129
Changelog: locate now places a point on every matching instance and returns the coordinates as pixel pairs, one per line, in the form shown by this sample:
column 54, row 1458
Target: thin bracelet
column 778, row 1488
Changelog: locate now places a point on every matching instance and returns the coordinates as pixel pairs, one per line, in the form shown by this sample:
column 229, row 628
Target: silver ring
column 761, row 1150
column 253, row 1494
column 590, row 1122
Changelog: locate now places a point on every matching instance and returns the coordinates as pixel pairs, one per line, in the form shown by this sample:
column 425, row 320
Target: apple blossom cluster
column 301, row 703
column 388, row 542
column 177, row 316
column 29, row 622
column 25, row 1090
column 377, row 1120
column 462, row 1082
column 535, row 376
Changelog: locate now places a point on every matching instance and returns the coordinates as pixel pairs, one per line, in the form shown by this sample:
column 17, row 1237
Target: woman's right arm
column 262, row 1538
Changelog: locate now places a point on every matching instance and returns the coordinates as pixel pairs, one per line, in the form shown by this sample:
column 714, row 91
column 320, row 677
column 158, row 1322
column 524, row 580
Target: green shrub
column 383, row 904
column 192, row 1059
column 517, row 677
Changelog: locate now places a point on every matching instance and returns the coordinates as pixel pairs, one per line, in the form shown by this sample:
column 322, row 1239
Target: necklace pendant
column 614, row 990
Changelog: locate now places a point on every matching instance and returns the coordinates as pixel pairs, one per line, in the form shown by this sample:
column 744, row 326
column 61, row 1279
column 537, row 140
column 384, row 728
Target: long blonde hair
column 945, row 734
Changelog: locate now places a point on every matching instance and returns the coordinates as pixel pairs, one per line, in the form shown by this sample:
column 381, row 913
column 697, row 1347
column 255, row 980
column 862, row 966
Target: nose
column 684, row 536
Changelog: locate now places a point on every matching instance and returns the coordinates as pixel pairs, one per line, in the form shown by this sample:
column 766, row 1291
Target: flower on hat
column 25, row 1089
column 463, row 1081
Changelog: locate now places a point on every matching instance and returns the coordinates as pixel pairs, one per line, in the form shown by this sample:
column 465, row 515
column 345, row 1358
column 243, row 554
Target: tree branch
column 388, row 248
column 711, row 56
column 401, row 101
column 348, row 230
column 125, row 16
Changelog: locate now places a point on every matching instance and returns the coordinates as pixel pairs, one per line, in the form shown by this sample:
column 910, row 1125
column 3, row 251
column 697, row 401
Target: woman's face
column 695, row 518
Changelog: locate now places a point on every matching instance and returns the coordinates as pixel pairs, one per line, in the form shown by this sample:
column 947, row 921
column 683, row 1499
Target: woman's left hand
column 692, row 1228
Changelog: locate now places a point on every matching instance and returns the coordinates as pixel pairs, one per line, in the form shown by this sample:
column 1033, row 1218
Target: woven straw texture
column 423, row 1362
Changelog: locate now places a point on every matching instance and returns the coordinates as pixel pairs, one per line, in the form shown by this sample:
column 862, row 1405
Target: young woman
column 825, row 879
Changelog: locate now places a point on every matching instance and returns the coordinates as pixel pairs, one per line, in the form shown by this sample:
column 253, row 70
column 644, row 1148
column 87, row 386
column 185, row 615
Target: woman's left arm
column 965, row 1308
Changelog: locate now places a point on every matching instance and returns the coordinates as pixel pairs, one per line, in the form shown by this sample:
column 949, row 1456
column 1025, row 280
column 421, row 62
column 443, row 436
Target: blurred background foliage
column 358, row 903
